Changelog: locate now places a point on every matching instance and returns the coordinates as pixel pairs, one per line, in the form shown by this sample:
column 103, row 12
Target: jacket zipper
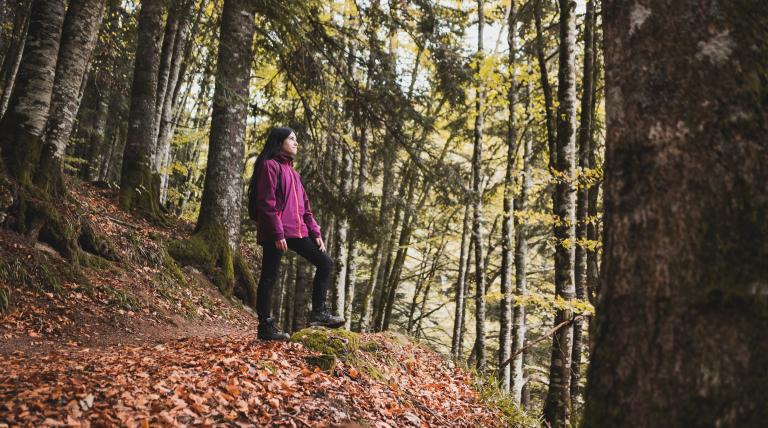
column 296, row 198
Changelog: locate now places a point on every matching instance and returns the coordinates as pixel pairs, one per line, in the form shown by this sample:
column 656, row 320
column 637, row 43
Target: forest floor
column 141, row 343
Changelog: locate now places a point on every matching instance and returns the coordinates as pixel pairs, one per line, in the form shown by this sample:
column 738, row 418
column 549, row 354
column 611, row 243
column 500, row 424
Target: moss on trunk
column 208, row 250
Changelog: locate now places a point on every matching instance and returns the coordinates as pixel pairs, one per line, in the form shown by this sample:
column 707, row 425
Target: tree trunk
column 507, row 227
column 12, row 58
column 521, row 259
column 290, row 292
column 79, row 36
column 546, row 87
column 390, row 287
column 301, row 294
column 139, row 188
column 22, row 126
column 33, row 166
column 214, row 245
column 167, row 99
column 557, row 407
column 458, row 320
column 580, row 269
column 340, row 248
column 96, row 144
column 681, row 336
column 477, row 204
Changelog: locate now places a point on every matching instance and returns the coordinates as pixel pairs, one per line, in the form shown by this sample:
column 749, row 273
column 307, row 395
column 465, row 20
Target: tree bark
column 557, row 407
column 340, row 248
column 521, row 279
column 139, row 188
column 681, row 336
column 585, row 133
column 21, row 128
column 215, row 242
column 12, row 58
column 477, row 204
column 507, row 226
column 546, row 87
column 458, row 320
column 79, row 36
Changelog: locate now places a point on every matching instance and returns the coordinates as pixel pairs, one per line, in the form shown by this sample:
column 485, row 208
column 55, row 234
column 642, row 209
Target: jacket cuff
column 279, row 236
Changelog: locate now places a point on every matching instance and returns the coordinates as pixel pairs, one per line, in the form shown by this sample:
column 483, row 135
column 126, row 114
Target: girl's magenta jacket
column 283, row 213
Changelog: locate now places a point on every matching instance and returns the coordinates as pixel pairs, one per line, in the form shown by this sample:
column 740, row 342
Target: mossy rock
column 326, row 362
column 336, row 342
column 370, row 346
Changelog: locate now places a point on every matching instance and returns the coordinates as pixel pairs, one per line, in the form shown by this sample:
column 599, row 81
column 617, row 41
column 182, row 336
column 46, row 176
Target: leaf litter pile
column 236, row 381
column 133, row 344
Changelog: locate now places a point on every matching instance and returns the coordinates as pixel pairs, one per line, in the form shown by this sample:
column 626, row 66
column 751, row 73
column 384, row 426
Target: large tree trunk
column 79, row 36
column 214, row 244
column 22, row 126
column 681, row 336
column 580, row 268
column 139, row 188
column 458, row 320
column 557, row 407
column 507, row 226
column 477, row 204
column 34, row 168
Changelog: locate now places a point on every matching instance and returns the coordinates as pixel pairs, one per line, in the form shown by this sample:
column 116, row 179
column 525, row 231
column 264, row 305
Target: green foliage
column 493, row 396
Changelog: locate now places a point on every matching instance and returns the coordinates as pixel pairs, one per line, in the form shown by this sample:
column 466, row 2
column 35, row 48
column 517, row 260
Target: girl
column 278, row 202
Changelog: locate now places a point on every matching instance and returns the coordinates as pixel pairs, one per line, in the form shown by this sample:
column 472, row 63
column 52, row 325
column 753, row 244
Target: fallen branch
column 542, row 337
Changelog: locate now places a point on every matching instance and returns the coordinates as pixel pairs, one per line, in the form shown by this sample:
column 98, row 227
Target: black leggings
column 270, row 269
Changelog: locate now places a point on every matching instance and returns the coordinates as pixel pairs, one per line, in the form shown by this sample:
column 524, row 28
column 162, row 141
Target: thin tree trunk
column 301, row 295
column 681, row 336
column 79, row 36
column 290, row 293
column 458, row 320
column 12, row 58
column 580, row 270
column 467, row 288
column 557, row 407
column 521, row 262
column 138, row 188
column 340, row 250
column 477, row 232
column 507, row 226
column 546, row 87
column 97, row 150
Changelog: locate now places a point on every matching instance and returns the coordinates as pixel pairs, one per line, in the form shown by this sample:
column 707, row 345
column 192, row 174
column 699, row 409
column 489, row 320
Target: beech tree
column 681, row 336
column 139, row 187
column 215, row 242
column 557, row 408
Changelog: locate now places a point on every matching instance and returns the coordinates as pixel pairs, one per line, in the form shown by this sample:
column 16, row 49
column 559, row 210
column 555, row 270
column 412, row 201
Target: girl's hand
column 281, row 245
column 320, row 243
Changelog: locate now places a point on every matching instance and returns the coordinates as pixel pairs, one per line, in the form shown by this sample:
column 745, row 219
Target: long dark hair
column 272, row 147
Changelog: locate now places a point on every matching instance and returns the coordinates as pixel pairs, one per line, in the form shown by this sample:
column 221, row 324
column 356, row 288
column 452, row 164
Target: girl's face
column 290, row 145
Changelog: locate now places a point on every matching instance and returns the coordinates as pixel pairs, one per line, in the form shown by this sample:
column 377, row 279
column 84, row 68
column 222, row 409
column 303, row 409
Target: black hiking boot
column 269, row 331
column 322, row 318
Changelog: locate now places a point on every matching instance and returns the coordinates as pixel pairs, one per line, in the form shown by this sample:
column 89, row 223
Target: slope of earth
column 141, row 342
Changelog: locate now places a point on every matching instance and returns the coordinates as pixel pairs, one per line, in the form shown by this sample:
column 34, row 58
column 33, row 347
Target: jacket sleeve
column 267, row 201
column 309, row 218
